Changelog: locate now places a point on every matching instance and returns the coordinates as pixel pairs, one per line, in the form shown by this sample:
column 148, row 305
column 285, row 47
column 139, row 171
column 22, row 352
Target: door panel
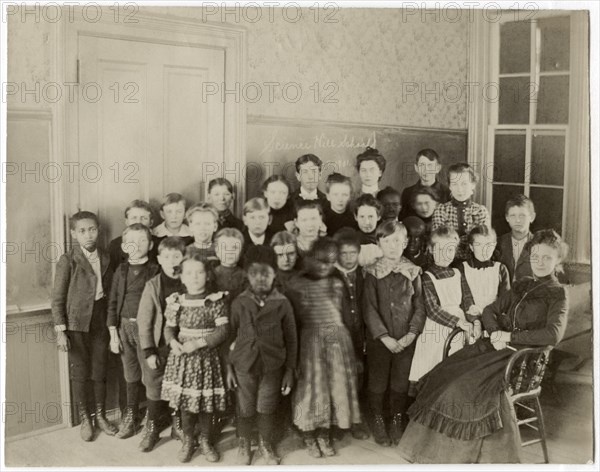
column 186, row 130
column 144, row 128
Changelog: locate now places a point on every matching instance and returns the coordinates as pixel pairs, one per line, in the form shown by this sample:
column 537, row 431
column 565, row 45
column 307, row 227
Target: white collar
column 257, row 240
column 304, row 244
column 372, row 189
column 345, row 271
column 141, row 261
column 90, row 256
column 161, row 231
column 519, row 241
column 309, row 196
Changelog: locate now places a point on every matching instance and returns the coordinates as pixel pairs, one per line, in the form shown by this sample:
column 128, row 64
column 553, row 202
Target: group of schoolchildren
column 321, row 309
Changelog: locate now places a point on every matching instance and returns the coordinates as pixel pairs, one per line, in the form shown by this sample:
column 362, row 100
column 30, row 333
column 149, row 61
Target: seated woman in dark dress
column 461, row 413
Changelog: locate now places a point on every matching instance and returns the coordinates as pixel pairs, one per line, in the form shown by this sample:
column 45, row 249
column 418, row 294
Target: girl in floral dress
column 197, row 324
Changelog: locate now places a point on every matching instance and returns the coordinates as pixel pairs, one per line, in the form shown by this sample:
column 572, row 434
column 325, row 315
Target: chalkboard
column 274, row 145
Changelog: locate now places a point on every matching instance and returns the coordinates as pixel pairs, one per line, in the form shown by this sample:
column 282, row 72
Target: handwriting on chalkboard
column 319, row 141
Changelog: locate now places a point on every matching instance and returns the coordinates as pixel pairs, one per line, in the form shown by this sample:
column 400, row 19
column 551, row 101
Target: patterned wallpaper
column 371, row 66
column 369, row 54
column 29, row 51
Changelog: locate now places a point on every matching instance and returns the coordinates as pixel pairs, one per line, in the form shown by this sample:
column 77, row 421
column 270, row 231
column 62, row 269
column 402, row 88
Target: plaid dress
column 326, row 391
column 195, row 382
column 463, row 217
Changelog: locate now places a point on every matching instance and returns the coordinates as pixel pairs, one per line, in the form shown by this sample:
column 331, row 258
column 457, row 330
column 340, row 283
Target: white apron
column 429, row 349
column 483, row 283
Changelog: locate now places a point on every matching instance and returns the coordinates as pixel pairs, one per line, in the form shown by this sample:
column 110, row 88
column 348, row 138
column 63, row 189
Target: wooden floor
column 568, row 422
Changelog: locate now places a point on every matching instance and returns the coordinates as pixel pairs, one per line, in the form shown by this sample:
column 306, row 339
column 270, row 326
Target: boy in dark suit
column 128, row 284
column 79, row 305
column 262, row 356
column 153, row 350
column 256, row 217
column 519, row 213
column 427, row 167
column 138, row 211
column 349, row 272
column 308, row 173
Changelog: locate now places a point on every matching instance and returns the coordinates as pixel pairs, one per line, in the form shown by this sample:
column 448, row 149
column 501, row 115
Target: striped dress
column 326, row 391
column 195, row 382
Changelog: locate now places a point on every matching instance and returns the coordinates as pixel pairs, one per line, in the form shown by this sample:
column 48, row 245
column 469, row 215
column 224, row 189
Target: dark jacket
column 439, row 189
column 393, row 305
column 284, row 281
column 118, row 291
column 232, row 280
column 249, row 243
column 75, row 289
column 267, row 331
column 505, row 255
column 150, row 319
column 535, row 311
column 352, row 312
column 280, row 217
column 335, row 221
column 228, row 220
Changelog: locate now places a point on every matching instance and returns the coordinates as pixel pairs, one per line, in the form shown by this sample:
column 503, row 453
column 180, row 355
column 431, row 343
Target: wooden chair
column 450, row 339
column 523, row 376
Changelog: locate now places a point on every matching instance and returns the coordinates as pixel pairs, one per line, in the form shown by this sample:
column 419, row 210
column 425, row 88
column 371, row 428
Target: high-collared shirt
column 161, row 231
column 139, row 262
column 308, row 195
column 94, row 260
column 371, row 189
column 461, row 208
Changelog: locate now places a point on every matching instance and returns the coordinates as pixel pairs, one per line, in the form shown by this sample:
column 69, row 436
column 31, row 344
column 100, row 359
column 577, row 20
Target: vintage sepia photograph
column 317, row 234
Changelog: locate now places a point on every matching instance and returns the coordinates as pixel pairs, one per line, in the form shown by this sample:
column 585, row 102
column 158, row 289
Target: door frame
column 167, row 30
column 151, row 28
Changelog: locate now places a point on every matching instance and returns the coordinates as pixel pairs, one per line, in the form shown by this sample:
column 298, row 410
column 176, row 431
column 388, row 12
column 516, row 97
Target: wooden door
column 145, row 128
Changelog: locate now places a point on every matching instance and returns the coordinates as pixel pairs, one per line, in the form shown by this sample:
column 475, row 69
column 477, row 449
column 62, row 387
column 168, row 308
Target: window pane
column 547, row 159
column 501, row 194
column 553, row 100
column 554, row 43
column 509, row 158
column 548, row 208
column 514, row 100
column 515, row 47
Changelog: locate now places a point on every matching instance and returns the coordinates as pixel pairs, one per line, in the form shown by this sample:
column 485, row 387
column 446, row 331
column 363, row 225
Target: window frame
column 531, row 127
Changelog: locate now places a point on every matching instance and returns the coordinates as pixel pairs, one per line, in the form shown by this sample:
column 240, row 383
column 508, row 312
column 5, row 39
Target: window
column 30, row 247
column 529, row 122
